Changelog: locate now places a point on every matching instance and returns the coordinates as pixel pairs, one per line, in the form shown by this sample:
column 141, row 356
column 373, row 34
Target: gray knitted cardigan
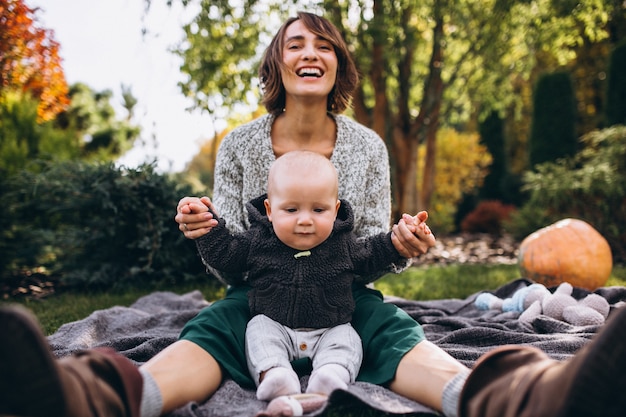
column 299, row 289
column 360, row 157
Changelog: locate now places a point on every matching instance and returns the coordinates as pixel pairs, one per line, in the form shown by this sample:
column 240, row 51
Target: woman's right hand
column 194, row 218
column 411, row 236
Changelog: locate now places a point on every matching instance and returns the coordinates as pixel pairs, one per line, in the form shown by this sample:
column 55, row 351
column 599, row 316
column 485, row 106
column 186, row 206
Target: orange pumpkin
column 569, row 250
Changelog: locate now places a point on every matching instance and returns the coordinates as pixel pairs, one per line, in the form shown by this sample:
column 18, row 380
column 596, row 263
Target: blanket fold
column 456, row 325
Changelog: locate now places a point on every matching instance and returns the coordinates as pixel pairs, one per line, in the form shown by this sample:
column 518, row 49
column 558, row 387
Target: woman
column 308, row 78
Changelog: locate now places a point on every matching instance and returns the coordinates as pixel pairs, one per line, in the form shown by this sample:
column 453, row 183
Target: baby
column 301, row 259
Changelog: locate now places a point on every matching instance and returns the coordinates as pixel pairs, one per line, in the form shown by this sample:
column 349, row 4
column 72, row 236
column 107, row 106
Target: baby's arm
column 224, row 251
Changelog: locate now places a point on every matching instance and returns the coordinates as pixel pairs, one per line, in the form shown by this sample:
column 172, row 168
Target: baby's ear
column 337, row 206
column 268, row 209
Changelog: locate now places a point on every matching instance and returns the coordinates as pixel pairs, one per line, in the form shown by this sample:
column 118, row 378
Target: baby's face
column 302, row 211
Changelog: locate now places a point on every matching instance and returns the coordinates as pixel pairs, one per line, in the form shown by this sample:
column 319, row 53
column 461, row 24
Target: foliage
column 91, row 118
column 87, row 129
column 488, row 217
column 590, row 186
column 29, row 59
column 616, row 87
column 553, row 133
column 221, row 52
column 423, row 64
column 492, row 136
column 527, row 219
column 97, row 225
column 23, row 138
column 461, row 167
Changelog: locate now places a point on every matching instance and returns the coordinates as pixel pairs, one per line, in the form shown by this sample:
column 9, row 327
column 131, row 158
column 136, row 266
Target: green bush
column 590, row 186
column 97, row 225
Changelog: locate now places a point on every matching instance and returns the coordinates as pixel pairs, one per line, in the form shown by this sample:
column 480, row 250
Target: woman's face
column 310, row 63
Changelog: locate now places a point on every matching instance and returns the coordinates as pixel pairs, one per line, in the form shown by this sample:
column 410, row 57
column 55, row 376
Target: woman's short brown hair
column 272, row 62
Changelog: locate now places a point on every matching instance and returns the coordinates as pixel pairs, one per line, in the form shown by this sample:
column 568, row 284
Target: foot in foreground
column 33, row 383
column 522, row 381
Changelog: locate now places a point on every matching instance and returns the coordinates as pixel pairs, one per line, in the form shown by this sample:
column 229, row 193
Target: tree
column 29, row 59
column 553, row 133
column 616, row 87
column 492, row 136
column 23, row 139
column 87, row 129
column 92, row 119
column 424, row 64
column 463, row 162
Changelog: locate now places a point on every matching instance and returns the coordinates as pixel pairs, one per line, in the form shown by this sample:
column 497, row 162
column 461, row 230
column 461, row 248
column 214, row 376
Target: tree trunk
column 427, row 122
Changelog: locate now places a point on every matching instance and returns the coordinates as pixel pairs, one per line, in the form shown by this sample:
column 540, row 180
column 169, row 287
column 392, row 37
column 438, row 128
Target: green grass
column 55, row 310
column 459, row 281
column 455, row 281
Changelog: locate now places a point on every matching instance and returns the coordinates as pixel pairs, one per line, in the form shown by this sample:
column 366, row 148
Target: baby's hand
column 417, row 224
column 411, row 236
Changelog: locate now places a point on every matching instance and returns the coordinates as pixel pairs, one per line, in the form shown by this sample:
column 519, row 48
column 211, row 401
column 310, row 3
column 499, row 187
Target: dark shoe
column 33, row 383
column 29, row 377
column 518, row 381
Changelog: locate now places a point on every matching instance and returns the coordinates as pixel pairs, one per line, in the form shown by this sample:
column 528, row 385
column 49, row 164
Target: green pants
column 386, row 331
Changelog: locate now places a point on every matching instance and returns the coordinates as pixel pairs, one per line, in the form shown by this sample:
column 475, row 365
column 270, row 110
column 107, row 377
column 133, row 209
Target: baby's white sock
column 328, row 378
column 278, row 381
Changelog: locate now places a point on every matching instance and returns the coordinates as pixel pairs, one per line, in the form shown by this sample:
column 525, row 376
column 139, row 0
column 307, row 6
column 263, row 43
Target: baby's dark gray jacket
column 299, row 289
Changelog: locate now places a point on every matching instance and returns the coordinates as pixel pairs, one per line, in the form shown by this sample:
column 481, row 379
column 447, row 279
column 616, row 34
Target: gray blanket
column 154, row 321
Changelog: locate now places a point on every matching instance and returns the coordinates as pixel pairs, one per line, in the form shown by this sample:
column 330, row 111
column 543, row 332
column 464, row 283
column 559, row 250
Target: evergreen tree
column 492, row 136
column 553, row 130
column 616, row 87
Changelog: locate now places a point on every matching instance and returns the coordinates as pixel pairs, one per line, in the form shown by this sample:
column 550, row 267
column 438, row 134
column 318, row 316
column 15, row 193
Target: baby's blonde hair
column 305, row 165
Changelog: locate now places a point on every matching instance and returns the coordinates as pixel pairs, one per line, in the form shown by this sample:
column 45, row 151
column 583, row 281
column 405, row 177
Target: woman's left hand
column 411, row 236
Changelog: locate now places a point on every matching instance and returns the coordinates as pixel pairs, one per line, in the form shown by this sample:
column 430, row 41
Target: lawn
column 418, row 283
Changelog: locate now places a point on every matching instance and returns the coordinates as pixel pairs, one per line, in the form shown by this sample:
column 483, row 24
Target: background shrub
column 461, row 168
column 590, row 186
column 97, row 225
column 487, row 217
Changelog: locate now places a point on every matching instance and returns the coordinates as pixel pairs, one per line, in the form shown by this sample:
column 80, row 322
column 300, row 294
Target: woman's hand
column 411, row 236
column 194, row 218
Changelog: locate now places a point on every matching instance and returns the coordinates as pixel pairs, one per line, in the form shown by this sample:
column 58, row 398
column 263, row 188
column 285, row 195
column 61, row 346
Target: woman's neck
column 304, row 128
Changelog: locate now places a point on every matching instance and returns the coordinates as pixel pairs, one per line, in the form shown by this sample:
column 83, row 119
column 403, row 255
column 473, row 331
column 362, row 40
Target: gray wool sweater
column 360, row 157
column 299, row 289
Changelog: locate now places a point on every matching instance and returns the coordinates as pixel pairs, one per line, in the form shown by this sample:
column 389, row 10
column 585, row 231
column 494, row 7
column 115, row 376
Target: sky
column 102, row 45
